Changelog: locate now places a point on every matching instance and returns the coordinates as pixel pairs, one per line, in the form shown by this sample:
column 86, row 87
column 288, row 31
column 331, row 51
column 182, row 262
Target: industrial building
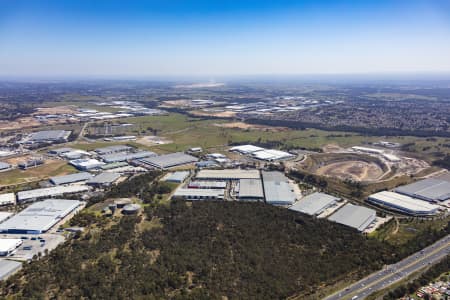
column 358, row 217
column 250, row 190
column 432, row 190
column 8, row 268
column 169, row 160
column 227, row 174
column 60, row 151
column 403, row 204
column 39, row 217
column 315, row 204
column 113, row 149
column 8, row 198
column 199, row 194
column 272, row 155
column 114, row 165
column 36, row 194
column 8, row 246
column 71, row 178
column 198, row 184
column 4, row 166
column 119, row 157
column 177, row 177
column 277, row 189
column 103, row 179
column 75, row 154
column 30, row 164
column 54, row 136
column 246, row 149
column 86, row 164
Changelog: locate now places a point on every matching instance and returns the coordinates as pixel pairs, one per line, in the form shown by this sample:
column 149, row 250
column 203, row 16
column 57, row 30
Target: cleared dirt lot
column 242, row 125
column 354, row 170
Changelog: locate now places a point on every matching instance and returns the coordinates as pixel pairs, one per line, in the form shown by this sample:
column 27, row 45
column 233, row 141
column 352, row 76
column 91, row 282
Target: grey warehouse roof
column 178, row 176
column 112, row 149
column 49, row 135
column 110, row 158
column 8, row 267
column 71, row 178
column 250, row 188
column 427, row 189
column 169, row 160
column 40, row 216
column 314, row 204
column 4, row 165
column 277, row 189
column 358, row 217
column 104, row 178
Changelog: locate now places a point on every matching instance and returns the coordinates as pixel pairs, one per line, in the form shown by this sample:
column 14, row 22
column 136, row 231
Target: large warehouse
column 314, row 204
column 169, row 160
column 86, row 164
column 39, row 217
column 250, row 190
column 278, row 189
column 71, row 178
column 118, row 157
column 49, row 136
column 112, row 149
column 432, row 190
column 403, row 204
column 358, row 217
column 246, row 149
column 199, row 194
column 227, row 174
column 36, row 194
column 272, row 155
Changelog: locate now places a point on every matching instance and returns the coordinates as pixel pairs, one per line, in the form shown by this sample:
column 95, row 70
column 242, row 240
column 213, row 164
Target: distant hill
column 207, row 250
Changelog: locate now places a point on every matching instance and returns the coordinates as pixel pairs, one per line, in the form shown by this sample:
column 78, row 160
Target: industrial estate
column 114, row 158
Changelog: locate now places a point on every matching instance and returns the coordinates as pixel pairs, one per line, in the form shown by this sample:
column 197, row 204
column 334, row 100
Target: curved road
column 396, row 272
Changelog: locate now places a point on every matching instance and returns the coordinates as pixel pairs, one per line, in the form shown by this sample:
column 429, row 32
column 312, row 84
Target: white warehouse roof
column 430, row 189
column 403, row 203
column 246, row 149
column 228, row 174
column 50, row 192
column 271, row 155
column 8, row 198
column 40, row 216
column 200, row 194
column 9, row 245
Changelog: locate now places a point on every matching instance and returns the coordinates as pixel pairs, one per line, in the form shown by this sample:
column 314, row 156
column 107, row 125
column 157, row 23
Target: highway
column 395, row 272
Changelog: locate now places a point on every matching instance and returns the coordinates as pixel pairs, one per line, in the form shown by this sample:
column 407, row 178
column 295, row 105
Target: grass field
column 52, row 168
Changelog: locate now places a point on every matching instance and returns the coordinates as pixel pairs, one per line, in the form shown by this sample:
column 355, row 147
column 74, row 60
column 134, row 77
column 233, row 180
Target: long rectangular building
column 71, row 178
column 251, row 190
column 39, row 217
column 227, row 174
column 169, row 160
column 432, row 190
column 403, row 204
column 118, row 157
column 36, row 194
column 358, row 217
column 112, row 149
column 277, row 189
column 314, row 204
column 49, row 136
column 8, row 198
column 199, row 194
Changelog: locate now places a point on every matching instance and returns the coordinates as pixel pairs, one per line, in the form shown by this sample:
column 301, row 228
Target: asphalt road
column 393, row 273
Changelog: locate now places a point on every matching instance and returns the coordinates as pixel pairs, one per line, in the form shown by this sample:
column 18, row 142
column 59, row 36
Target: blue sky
column 215, row 38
